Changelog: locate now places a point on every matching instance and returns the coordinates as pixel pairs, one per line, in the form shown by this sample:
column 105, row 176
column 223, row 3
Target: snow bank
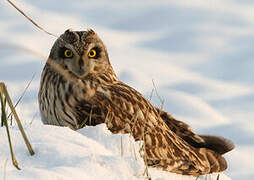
column 90, row 153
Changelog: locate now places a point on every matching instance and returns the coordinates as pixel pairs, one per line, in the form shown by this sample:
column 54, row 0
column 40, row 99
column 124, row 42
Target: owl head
column 80, row 52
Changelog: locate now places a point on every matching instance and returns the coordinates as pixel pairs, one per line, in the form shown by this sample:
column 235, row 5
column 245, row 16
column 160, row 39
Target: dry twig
column 32, row 21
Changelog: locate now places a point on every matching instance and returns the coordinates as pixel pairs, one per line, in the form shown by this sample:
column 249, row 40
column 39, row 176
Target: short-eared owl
column 79, row 88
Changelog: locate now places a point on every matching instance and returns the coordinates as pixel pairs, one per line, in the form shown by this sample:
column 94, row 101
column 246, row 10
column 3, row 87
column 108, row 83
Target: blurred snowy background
column 199, row 53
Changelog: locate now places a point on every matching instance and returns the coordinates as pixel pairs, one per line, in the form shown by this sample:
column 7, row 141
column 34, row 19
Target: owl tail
column 208, row 150
column 213, row 163
column 217, row 144
column 212, row 148
column 191, row 161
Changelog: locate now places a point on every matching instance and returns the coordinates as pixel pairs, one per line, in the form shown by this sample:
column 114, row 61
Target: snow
column 199, row 54
column 89, row 153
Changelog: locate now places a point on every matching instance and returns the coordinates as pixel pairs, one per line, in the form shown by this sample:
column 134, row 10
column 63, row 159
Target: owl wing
column 183, row 130
column 129, row 112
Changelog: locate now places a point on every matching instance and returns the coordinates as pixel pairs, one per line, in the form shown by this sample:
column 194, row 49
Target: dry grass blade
column 33, row 117
column 4, row 120
column 161, row 100
column 218, row 177
column 34, row 23
column 3, row 105
column 22, row 95
column 83, row 124
column 146, row 173
column 5, row 92
column 90, row 117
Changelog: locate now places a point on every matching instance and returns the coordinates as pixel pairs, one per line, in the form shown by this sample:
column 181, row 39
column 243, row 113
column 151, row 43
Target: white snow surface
column 199, row 54
column 90, row 153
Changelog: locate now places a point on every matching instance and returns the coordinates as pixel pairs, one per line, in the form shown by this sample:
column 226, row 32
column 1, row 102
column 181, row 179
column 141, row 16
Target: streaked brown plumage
column 79, row 87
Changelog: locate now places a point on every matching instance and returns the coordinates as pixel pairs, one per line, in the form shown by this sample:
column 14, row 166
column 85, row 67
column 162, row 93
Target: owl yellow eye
column 68, row 53
column 92, row 53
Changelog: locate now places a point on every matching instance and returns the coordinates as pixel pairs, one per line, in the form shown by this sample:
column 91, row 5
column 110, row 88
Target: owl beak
column 80, row 72
column 80, row 66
